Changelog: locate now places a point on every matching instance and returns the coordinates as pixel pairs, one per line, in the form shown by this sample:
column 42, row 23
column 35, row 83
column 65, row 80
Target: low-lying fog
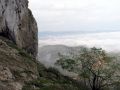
column 50, row 46
column 109, row 41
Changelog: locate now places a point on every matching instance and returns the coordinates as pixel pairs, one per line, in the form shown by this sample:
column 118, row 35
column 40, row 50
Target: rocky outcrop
column 18, row 24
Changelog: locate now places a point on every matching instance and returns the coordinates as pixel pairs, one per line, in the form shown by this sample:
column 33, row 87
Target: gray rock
column 18, row 24
column 16, row 67
column 5, row 74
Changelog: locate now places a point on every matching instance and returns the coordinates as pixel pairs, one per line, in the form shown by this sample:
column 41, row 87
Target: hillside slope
column 16, row 66
column 19, row 71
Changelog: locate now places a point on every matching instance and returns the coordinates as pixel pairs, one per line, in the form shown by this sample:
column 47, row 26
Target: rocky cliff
column 18, row 69
column 18, row 24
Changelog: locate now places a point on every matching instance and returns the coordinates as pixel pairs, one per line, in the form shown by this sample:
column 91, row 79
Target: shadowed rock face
column 18, row 24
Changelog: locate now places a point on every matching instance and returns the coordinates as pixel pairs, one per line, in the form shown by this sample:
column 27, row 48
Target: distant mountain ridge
column 48, row 33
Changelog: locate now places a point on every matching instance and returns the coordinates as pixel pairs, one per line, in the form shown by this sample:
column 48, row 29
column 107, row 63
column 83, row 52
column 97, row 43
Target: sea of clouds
column 109, row 41
column 102, row 16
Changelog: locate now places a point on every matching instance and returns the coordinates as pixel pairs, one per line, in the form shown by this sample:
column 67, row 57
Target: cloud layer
column 61, row 16
column 108, row 41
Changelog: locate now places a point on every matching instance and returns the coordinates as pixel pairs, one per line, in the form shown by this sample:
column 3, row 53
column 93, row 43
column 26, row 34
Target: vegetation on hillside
column 19, row 69
column 52, row 79
column 95, row 68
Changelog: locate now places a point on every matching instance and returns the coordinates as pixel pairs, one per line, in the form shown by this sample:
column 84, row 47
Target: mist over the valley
column 49, row 54
column 107, row 40
column 86, row 33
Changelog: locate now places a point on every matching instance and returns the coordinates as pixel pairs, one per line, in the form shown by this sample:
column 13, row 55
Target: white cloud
column 78, row 15
column 108, row 41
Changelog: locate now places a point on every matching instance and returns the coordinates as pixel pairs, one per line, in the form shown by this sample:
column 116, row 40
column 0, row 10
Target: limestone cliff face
column 18, row 24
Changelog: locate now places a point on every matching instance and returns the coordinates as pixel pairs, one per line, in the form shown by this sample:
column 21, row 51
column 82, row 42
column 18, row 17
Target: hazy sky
column 76, row 15
column 73, row 18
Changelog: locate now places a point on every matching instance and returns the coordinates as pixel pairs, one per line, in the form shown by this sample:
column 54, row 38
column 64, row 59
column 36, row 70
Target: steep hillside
column 16, row 66
column 19, row 71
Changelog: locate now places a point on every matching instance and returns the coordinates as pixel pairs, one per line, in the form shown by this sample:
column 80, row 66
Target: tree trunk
column 94, row 83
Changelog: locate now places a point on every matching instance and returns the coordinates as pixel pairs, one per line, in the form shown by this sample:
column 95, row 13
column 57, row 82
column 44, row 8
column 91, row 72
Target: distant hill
column 49, row 54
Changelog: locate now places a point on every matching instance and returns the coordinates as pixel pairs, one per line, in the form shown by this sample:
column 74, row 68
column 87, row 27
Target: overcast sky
column 77, row 15
column 58, row 17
